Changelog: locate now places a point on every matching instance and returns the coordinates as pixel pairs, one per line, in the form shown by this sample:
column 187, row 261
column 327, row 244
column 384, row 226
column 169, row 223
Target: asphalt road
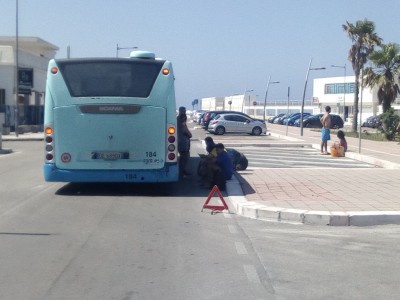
column 125, row 241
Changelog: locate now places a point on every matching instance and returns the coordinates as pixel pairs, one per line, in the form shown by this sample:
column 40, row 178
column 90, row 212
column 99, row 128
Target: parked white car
column 197, row 115
column 236, row 123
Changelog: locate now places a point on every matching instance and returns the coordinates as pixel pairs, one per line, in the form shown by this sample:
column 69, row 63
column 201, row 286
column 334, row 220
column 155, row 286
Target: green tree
column 364, row 38
column 385, row 73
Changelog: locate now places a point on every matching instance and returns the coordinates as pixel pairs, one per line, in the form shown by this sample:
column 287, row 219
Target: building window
column 2, row 97
column 338, row 88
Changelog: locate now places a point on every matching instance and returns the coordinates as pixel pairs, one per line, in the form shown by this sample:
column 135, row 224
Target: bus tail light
column 171, row 129
column 172, row 146
column 49, row 143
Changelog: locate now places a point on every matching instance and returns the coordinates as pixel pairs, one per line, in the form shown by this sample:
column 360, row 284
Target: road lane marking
column 240, row 248
column 251, row 274
column 232, row 229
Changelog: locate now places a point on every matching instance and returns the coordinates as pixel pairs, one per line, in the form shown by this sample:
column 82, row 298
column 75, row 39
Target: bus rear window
column 99, row 78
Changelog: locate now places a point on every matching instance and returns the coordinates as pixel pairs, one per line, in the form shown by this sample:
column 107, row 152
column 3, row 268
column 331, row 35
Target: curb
column 21, row 139
column 5, row 151
column 261, row 212
column 284, row 137
column 308, row 217
column 270, row 145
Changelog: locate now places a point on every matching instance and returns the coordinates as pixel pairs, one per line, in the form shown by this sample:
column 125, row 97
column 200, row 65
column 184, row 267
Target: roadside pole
column 288, row 94
column 3, row 151
column 360, row 114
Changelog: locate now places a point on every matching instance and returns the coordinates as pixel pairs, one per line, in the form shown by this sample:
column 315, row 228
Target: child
column 342, row 140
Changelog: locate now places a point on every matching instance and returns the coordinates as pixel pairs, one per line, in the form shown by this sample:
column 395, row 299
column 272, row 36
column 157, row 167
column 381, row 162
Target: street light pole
column 361, row 103
column 304, row 94
column 16, row 111
column 266, row 92
column 121, row 48
column 344, row 90
column 244, row 98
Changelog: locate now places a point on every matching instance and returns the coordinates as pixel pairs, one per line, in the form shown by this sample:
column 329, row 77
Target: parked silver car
column 236, row 123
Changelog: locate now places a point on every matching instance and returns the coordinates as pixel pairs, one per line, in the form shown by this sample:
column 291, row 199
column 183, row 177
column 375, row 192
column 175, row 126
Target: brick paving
column 324, row 189
column 330, row 196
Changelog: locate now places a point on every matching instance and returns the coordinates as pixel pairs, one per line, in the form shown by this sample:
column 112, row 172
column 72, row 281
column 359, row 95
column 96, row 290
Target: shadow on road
column 187, row 187
column 246, row 187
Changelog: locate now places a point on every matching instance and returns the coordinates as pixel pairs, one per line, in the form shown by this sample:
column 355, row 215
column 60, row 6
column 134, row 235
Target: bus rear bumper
column 169, row 173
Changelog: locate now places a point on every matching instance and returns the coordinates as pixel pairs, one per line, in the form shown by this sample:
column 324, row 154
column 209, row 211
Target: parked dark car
column 283, row 120
column 272, row 119
column 372, row 122
column 314, row 121
column 297, row 122
column 280, row 119
column 365, row 123
column 293, row 117
column 375, row 122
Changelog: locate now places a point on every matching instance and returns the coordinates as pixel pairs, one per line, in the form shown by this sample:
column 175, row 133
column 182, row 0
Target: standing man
column 326, row 130
column 184, row 136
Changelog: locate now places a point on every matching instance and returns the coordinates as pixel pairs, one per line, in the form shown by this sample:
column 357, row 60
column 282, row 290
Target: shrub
column 390, row 122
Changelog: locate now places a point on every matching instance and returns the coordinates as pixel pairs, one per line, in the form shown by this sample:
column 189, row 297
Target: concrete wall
column 33, row 53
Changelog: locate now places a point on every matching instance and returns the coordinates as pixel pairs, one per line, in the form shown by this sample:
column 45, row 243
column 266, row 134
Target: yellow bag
column 337, row 150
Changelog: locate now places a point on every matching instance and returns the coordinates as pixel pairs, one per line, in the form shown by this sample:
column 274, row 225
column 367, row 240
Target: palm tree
column 385, row 73
column 364, row 39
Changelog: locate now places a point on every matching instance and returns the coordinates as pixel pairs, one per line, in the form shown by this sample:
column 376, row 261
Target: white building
column 234, row 102
column 330, row 91
column 338, row 93
column 326, row 91
column 33, row 58
column 255, row 108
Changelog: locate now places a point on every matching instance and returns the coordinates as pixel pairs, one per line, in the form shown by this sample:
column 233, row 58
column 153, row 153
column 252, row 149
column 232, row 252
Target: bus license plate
column 110, row 155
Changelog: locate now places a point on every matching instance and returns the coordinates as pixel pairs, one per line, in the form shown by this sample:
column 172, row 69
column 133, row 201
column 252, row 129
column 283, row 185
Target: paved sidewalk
column 338, row 197
column 29, row 136
column 21, row 137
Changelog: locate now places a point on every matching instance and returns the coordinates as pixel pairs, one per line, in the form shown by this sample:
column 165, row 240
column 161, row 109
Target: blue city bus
column 110, row 120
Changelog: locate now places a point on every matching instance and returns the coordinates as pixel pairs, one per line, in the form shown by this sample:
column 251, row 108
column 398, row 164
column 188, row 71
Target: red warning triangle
column 214, row 190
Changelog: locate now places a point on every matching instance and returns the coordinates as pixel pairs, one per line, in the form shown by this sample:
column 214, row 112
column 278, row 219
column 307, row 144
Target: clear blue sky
column 218, row 47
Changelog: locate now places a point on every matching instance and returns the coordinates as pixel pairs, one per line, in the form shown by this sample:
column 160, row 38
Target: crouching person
column 239, row 160
column 224, row 170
